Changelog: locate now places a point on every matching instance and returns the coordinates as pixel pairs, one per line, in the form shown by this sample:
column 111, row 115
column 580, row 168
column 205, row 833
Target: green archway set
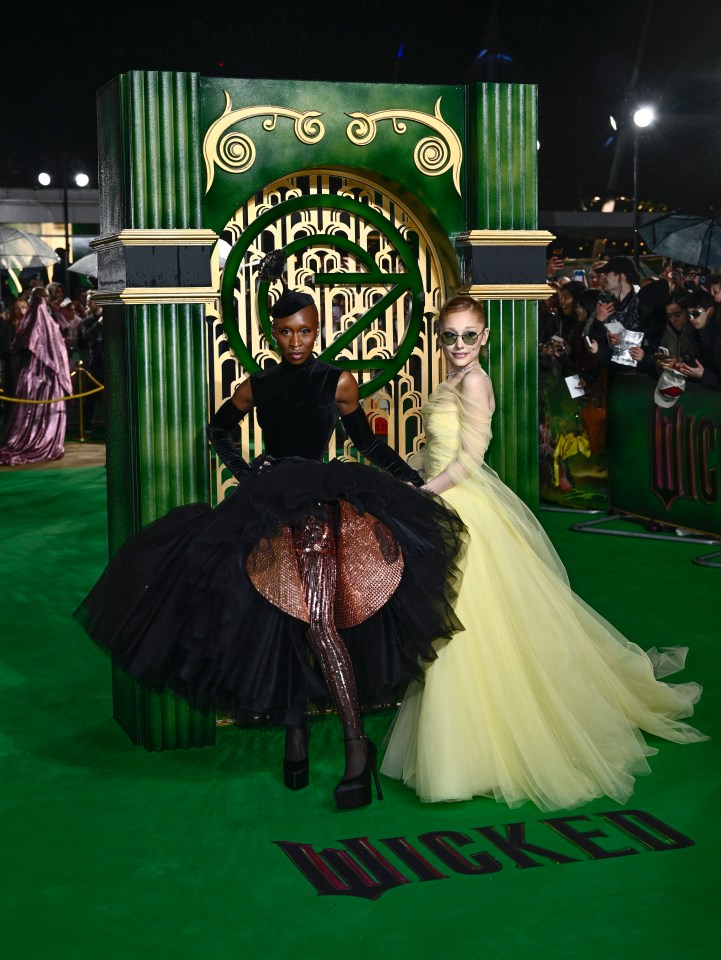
column 387, row 198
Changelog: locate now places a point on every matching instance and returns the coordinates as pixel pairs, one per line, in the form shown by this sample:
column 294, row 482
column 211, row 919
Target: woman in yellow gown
column 539, row 698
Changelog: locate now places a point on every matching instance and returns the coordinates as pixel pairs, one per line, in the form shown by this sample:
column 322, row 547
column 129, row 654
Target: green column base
column 158, row 719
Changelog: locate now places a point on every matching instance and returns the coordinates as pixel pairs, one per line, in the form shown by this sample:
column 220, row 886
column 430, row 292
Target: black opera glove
column 221, row 430
column 377, row 450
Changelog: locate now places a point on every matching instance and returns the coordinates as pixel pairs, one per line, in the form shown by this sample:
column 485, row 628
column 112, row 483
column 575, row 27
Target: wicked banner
column 664, row 463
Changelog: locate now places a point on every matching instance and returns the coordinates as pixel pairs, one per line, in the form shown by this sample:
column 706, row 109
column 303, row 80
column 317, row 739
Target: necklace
column 454, row 373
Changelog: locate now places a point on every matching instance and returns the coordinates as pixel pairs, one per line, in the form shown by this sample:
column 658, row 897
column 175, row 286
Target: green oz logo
column 399, row 285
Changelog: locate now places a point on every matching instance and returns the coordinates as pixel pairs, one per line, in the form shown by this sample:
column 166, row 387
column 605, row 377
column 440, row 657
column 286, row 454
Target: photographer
column 618, row 304
column 702, row 338
column 669, row 339
column 686, row 342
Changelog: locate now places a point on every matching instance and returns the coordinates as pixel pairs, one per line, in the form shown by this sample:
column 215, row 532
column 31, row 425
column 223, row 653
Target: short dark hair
column 588, row 300
column 688, row 299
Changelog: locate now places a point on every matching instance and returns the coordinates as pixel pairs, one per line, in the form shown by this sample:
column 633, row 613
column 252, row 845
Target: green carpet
column 111, row 852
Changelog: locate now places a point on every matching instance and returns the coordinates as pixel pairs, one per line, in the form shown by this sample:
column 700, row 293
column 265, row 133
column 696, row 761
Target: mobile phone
column 579, row 276
column 606, row 297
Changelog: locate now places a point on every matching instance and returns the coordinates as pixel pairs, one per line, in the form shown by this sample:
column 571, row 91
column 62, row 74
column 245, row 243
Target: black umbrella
column 686, row 237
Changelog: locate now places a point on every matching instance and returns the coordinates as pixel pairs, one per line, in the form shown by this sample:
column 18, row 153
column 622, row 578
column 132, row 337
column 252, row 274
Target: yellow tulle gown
column 539, row 698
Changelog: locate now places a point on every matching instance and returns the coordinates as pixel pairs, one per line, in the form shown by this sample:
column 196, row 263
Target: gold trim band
column 146, row 238
column 502, row 238
column 132, row 296
column 513, row 291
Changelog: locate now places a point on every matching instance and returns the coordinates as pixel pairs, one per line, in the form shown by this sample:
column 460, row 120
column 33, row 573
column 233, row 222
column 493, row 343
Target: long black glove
column 377, row 450
column 222, row 427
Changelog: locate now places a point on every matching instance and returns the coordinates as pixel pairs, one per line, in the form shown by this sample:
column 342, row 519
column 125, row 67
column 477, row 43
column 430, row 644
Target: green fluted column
column 503, row 195
column 514, row 371
column 156, row 368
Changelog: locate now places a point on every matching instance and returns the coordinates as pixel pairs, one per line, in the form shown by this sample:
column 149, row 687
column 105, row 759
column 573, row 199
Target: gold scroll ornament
column 432, row 156
column 234, row 151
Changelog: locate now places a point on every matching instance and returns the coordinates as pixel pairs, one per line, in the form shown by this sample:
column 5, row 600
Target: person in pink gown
column 36, row 432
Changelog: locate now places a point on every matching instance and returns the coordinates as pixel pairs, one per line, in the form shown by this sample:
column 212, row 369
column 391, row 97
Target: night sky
column 583, row 56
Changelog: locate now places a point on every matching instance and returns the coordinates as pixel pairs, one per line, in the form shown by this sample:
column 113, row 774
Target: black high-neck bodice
column 296, row 407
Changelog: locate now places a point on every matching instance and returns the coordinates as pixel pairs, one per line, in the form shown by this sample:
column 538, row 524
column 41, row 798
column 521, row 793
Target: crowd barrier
column 664, row 464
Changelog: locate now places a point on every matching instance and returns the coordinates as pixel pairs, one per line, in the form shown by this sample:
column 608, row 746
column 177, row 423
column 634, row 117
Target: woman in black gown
column 310, row 581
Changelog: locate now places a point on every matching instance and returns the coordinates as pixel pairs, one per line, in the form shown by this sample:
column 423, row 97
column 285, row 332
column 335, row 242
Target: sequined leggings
column 315, row 550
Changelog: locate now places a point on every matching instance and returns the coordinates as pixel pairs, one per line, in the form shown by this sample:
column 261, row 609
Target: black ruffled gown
column 208, row 601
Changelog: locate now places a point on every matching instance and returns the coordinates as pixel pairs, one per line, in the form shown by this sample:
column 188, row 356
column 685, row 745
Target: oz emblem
column 405, row 285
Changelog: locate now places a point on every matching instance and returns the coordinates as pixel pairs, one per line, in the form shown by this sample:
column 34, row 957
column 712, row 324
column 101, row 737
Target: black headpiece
column 290, row 302
column 271, row 268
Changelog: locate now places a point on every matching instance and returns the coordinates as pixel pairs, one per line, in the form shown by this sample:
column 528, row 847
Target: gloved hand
column 220, row 433
column 377, row 450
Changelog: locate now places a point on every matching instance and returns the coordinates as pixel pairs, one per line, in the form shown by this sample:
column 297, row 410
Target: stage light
column 44, row 179
column 614, row 125
column 82, row 179
column 644, row 116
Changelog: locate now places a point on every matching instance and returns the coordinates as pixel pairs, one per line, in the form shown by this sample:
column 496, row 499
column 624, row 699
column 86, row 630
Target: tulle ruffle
column 175, row 605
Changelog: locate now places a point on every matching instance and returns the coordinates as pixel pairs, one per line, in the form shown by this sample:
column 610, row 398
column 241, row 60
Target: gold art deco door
column 376, row 278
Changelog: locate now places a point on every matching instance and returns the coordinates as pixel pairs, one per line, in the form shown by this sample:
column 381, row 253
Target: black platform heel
column 295, row 772
column 356, row 791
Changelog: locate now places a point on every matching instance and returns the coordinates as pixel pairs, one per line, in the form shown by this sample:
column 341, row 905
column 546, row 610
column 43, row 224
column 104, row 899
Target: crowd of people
column 43, row 335
column 608, row 321
column 614, row 321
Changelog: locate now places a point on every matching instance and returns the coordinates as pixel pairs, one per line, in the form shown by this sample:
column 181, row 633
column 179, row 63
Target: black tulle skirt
column 175, row 606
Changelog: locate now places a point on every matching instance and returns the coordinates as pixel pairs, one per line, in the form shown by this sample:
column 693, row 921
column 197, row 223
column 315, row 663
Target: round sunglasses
column 449, row 338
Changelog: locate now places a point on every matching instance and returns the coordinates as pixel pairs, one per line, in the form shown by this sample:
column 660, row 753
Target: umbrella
column 19, row 250
column 87, row 265
column 686, row 237
column 224, row 249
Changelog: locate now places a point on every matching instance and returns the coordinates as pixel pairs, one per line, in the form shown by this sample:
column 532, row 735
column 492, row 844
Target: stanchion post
column 81, row 400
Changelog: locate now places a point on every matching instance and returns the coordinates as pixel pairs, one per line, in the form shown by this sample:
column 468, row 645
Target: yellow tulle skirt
column 539, row 698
